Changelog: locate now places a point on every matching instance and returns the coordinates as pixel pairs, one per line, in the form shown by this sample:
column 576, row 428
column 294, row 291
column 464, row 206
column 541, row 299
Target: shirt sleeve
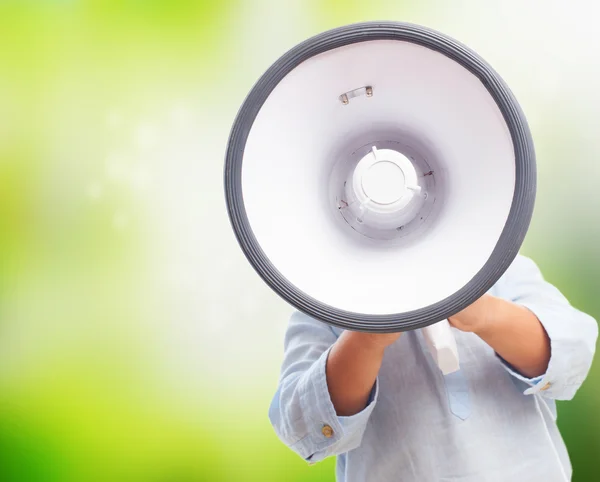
column 301, row 412
column 572, row 334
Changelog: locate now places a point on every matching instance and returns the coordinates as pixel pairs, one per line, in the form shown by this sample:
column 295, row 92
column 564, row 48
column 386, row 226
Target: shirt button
column 546, row 386
column 327, row 431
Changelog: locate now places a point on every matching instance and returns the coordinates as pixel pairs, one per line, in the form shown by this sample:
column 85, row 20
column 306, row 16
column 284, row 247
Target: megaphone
column 381, row 177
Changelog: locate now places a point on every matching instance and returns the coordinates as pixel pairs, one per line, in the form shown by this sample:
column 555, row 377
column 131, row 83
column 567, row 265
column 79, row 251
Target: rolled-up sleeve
column 301, row 412
column 572, row 334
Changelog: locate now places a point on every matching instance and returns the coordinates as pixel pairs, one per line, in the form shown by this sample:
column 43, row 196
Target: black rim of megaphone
column 514, row 230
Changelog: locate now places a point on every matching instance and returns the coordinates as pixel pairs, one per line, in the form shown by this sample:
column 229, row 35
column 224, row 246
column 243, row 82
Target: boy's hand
column 475, row 317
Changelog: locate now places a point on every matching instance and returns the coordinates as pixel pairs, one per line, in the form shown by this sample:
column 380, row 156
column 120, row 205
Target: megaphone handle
column 442, row 346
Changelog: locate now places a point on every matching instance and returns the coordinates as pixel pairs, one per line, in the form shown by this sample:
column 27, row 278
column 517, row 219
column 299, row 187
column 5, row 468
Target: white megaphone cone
column 381, row 177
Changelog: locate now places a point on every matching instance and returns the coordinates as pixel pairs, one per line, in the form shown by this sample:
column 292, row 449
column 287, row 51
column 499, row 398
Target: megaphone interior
column 380, row 177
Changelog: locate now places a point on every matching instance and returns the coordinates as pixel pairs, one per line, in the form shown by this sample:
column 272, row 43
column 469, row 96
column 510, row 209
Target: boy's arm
column 352, row 367
column 541, row 339
column 512, row 330
column 327, row 389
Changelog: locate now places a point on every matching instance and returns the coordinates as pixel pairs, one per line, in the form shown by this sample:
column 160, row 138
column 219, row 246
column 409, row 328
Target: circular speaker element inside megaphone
column 380, row 177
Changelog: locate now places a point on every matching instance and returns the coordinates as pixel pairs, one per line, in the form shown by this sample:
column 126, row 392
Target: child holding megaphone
column 380, row 403
column 381, row 177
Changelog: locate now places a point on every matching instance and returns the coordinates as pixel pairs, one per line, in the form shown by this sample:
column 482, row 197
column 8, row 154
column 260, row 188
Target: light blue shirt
column 485, row 423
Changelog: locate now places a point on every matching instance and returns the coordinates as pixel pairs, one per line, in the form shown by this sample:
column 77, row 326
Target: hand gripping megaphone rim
column 514, row 230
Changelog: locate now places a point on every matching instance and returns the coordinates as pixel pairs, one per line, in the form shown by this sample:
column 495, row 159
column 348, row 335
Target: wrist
column 491, row 314
column 374, row 343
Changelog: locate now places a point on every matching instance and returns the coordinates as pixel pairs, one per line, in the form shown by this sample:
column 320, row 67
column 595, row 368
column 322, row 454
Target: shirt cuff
column 329, row 434
column 533, row 383
column 554, row 382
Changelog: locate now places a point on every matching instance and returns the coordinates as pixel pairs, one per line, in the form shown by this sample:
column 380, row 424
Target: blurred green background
column 136, row 343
